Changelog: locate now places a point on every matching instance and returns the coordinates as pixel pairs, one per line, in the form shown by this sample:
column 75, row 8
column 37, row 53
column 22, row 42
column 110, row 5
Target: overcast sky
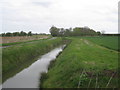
column 39, row 15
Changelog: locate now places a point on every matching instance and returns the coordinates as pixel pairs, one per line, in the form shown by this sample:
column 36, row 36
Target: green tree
column 61, row 32
column 29, row 33
column 68, row 32
column 23, row 33
column 77, row 31
column 3, row 34
column 16, row 34
column 8, row 34
column 98, row 33
column 54, row 31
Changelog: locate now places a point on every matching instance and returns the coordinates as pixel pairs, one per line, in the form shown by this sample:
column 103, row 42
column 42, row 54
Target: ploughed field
column 87, row 62
column 19, row 39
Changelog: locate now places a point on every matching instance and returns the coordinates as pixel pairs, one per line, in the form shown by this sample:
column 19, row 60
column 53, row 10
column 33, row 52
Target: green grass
column 14, row 57
column 97, row 64
column 110, row 42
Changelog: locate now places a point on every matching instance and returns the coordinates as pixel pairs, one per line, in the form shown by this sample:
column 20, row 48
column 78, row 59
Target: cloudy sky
column 39, row 15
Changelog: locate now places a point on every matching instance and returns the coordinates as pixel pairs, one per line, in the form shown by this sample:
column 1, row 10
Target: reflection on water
column 29, row 77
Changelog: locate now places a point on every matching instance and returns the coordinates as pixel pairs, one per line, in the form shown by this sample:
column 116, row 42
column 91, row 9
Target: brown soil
column 21, row 38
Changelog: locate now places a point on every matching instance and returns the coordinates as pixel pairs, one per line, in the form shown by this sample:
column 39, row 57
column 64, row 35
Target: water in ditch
column 30, row 77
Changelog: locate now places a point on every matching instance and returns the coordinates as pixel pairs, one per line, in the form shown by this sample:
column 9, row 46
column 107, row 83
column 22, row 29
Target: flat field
column 19, row 39
column 110, row 42
column 85, row 64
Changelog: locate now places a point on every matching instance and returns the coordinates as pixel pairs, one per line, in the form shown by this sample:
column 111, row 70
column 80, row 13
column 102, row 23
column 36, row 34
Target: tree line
column 77, row 31
column 110, row 34
column 22, row 33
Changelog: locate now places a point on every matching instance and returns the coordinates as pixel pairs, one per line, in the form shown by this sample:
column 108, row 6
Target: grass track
column 98, row 63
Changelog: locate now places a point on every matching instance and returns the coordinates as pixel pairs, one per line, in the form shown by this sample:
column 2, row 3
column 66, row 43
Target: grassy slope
column 14, row 57
column 79, row 56
column 110, row 42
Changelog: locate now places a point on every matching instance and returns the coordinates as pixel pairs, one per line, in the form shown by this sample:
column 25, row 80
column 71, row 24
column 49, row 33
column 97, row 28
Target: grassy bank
column 83, row 64
column 17, row 56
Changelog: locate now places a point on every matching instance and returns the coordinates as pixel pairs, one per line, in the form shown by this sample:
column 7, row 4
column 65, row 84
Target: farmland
column 60, row 44
column 110, row 42
column 85, row 64
column 21, row 39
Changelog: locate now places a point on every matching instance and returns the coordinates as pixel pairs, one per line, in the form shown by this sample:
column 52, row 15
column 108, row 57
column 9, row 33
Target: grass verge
column 83, row 64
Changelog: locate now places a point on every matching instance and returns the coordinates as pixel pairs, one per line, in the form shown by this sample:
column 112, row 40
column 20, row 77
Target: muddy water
column 30, row 77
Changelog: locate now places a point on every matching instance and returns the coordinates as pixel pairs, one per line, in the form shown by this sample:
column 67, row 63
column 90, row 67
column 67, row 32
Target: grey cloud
column 40, row 15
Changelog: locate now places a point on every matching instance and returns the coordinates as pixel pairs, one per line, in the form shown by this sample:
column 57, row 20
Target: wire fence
column 97, row 80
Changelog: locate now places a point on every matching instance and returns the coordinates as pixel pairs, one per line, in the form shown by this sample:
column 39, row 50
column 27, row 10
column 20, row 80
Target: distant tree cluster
column 110, row 34
column 77, row 31
column 9, row 34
